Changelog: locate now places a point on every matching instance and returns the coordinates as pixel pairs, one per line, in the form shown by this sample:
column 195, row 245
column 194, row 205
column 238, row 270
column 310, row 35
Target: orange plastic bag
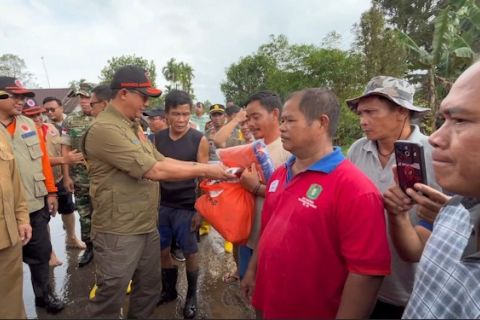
column 239, row 156
column 244, row 155
column 228, row 207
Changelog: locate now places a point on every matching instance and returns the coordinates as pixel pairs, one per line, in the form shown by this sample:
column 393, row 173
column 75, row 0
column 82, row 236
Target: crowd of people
column 332, row 235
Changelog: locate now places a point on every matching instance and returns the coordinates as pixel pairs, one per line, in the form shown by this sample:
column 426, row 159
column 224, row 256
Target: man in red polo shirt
column 320, row 203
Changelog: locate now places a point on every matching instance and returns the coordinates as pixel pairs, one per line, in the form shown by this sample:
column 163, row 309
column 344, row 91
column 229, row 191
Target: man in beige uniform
column 124, row 168
column 15, row 231
column 38, row 185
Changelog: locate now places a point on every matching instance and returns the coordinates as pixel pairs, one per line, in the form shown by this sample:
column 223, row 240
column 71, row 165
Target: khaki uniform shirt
column 54, row 148
column 118, row 155
column 13, row 207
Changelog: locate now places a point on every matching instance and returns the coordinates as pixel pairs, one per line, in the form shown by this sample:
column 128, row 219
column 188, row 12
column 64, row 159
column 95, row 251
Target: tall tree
column 115, row 63
column 171, row 73
column 413, row 17
column 284, row 68
column 383, row 54
column 180, row 76
column 13, row 66
column 246, row 77
column 452, row 49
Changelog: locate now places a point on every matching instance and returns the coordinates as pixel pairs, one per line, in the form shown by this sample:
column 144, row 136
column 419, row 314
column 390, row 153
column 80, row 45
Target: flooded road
column 215, row 298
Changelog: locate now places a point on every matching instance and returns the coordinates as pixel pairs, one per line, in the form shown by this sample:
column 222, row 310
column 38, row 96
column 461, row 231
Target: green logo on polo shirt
column 314, row 191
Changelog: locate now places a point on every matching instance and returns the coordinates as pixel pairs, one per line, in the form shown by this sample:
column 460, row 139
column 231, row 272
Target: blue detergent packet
column 263, row 157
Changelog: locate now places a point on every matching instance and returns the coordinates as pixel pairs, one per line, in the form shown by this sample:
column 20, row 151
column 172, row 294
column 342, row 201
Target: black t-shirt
column 179, row 194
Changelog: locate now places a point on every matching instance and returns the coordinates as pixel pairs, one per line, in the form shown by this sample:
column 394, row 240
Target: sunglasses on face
column 141, row 94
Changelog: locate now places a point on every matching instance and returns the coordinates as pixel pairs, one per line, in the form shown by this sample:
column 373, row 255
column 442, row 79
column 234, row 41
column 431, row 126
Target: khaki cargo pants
column 119, row 259
column 11, row 283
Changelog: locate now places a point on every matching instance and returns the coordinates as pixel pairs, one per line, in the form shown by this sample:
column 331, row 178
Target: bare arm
column 250, row 180
column 359, row 296
column 221, row 137
column 67, row 179
column 405, row 237
column 248, row 282
column 409, row 240
column 202, row 154
column 65, row 168
column 202, row 157
column 72, row 157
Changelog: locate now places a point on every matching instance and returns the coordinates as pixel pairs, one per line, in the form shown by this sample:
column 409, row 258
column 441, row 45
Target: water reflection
column 73, row 284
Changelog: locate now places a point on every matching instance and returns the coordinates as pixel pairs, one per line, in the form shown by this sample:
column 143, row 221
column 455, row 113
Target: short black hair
column 177, row 98
column 232, row 110
column 315, row 102
column 49, row 99
column 114, row 93
column 103, row 92
column 268, row 99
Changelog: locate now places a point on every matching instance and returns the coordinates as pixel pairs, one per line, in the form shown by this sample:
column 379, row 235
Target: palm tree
column 179, row 74
column 171, row 72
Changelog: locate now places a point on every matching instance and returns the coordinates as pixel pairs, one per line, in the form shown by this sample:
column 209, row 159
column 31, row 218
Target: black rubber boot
column 190, row 309
column 169, row 285
column 87, row 255
column 50, row 302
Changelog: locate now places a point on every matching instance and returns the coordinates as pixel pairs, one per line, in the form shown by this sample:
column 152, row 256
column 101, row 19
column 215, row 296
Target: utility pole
column 46, row 72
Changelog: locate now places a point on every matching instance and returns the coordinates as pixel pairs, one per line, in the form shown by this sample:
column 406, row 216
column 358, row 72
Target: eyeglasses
column 50, row 109
column 141, row 94
column 93, row 103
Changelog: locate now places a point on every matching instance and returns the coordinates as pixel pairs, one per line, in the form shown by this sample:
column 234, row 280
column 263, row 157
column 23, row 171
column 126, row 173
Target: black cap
column 14, row 86
column 217, row 108
column 157, row 112
column 134, row 78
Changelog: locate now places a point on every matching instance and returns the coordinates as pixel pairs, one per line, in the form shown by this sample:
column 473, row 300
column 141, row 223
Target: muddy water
column 215, row 299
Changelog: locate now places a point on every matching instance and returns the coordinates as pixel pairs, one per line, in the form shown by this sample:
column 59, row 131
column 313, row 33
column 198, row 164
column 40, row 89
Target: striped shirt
column 447, row 278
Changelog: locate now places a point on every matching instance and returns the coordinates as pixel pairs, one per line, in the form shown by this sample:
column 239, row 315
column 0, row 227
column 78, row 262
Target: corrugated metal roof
column 64, row 94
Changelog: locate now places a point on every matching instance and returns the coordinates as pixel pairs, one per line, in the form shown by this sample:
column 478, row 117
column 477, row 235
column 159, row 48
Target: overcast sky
column 76, row 38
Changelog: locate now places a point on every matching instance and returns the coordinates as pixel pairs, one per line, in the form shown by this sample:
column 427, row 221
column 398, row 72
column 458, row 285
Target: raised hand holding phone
column 410, row 164
column 396, row 201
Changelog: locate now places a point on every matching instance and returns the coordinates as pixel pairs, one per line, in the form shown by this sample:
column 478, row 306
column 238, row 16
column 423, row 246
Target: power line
column 46, row 72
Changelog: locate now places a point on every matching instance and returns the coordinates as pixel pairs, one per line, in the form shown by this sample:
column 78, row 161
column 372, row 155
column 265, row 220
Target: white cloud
column 76, row 38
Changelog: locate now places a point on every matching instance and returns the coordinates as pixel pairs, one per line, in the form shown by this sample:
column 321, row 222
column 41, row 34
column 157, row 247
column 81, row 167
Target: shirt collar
column 326, row 164
column 111, row 110
column 416, row 135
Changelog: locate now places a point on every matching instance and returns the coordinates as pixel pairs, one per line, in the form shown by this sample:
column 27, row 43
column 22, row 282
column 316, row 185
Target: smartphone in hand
column 410, row 160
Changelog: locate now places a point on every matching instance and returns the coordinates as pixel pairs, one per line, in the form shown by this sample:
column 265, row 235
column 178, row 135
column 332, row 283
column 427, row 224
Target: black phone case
column 410, row 160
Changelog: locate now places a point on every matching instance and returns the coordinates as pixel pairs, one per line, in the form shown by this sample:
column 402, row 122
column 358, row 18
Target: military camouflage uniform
column 235, row 139
column 209, row 134
column 73, row 130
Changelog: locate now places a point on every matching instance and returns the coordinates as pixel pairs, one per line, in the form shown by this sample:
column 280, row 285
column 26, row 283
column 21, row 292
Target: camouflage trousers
column 82, row 200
